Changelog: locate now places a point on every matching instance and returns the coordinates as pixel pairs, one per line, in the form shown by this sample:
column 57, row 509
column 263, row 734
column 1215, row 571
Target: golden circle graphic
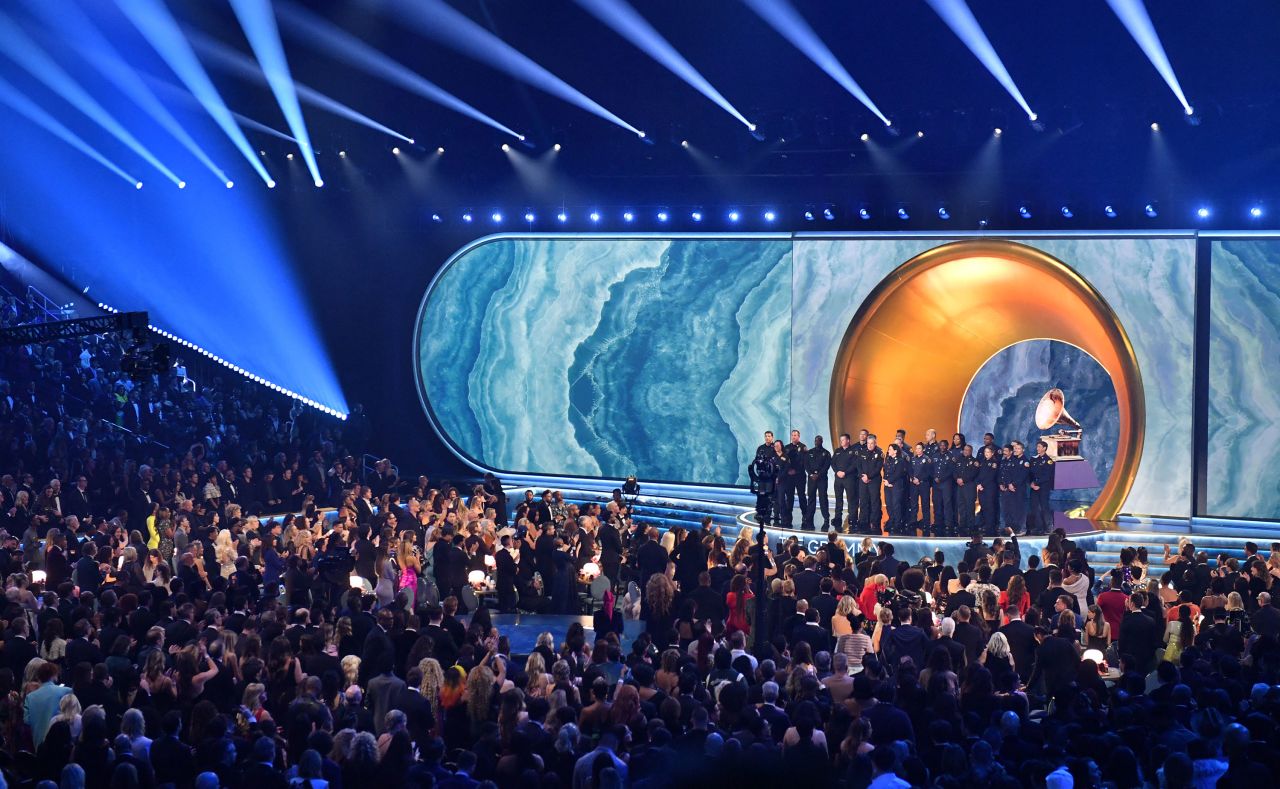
column 914, row 345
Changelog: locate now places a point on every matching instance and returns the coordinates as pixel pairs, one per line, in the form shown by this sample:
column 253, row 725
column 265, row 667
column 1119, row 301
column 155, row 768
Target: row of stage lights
column 771, row 216
column 237, row 369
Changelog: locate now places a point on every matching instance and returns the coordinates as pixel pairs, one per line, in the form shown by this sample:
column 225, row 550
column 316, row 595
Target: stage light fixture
column 1155, row 126
column 865, row 137
column 663, row 216
column 998, row 131
column 440, row 149
column 943, row 213
column 1067, row 213
column 230, row 184
column 628, row 216
column 1256, row 212
column 182, row 184
column 734, row 216
column 555, row 148
column 138, row 185
column 262, row 153
column 1150, row 210
column 505, row 148
column 562, row 217
column 770, row 216
column 1203, row 212
column 684, row 143
column 808, row 216
column 319, row 183
column 828, row 214
column 919, row 134
column 289, row 156
column 641, row 135
column 271, row 184
column 1024, row 211
column 595, row 216
column 696, row 216
column 395, row 151
column 1109, row 211
column 497, row 218
column 864, row 213
column 342, row 154
column 467, row 218
column 903, row 214
column 528, row 217
column 436, row 218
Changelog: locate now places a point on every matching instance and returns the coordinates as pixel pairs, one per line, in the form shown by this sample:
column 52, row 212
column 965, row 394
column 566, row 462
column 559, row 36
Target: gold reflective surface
column 920, row 337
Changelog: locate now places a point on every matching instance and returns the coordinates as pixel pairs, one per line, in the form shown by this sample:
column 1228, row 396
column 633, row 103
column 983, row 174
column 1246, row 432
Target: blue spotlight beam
column 94, row 47
column 355, row 52
column 785, row 19
column 224, row 57
column 28, row 108
column 259, row 25
column 629, row 24
column 178, row 94
column 31, row 57
column 438, row 21
column 965, row 25
column 1133, row 14
column 158, row 26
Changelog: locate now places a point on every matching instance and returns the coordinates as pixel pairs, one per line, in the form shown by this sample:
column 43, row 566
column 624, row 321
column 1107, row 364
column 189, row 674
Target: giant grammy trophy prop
column 1052, row 412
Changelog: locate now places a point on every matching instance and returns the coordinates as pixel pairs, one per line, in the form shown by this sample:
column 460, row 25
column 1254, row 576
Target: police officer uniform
column 989, row 480
column 763, row 474
column 897, row 477
column 1015, row 472
column 870, row 465
column 1042, row 473
column 856, row 515
column 918, row 499
column 817, row 464
column 845, row 459
column 792, row 481
column 966, row 493
column 944, row 484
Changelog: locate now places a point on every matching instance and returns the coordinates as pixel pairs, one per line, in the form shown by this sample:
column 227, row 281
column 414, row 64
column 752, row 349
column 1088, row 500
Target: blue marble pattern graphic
column 1244, row 379
column 605, row 357
column 1148, row 282
column 1003, row 396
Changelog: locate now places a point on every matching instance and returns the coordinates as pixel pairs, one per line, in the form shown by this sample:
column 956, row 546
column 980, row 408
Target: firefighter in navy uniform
column 1015, row 473
column 844, row 463
column 793, row 478
column 856, row 515
column 764, row 475
column 766, row 449
column 817, row 464
column 987, row 488
column 944, row 489
column 918, row 494
column 1042, row 472
column 897, row 478
column 870, row 469
column 967, row 467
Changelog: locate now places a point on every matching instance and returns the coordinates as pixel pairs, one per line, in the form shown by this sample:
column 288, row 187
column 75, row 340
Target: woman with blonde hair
column 842, row 622
column 432, row 682
column 351, row 670
column 224, row 551
column 535, row 668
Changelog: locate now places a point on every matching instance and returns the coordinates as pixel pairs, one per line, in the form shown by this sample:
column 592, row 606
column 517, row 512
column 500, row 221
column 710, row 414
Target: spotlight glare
column 230, row 184
column 1150, row 210
column 769, row 216
column 182, row 184
column 342, row 154
column 865, row 137
column 641, row 135
column 752, row 126
column 395, row 151
column 138, row 185
column 595, row 216
column 663, row 216
column 496, row 217
column 1024, row 211
column 1067, row 213
column 864, row 213
column 684, row 143
column 1190, row 111
column 943, row 213
column 696, row 216
column 1155, row 127
column 440, row 149
column 998, row 131
column 528, row 217
column 828, row 214
column 562, row 217
column 436, row 218
column 1255, row 212
column 319, row 183
column 1109, row 211
column 556, row 147
column 734, row 216
column 1203, row 212
column 808, row 216
column 505, row 148
column 919, row 134
column 412, row 141
column 271, row 184
column 289, row 156
column 903, row 214
column 628, row 216
column 467, row 217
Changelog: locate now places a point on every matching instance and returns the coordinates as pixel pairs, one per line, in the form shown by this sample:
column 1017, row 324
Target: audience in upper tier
column 159, row 629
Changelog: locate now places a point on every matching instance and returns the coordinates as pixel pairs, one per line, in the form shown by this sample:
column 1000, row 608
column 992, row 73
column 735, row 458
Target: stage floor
column 523, row 630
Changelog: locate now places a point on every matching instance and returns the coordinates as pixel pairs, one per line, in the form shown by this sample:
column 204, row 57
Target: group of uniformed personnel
column 941, row 488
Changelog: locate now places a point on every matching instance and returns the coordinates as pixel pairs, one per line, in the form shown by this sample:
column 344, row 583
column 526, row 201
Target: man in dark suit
column 416, row 708
column 967, row 634
column 379, row 653
column 88, row 573
column 1006, row 570
column 808, row 580
column 1056, row 663
column 1036, row 577
column 652, row 557
column 18, row 648
column 384, row 690
column 171, row 758
column 445, row 648
column 1139, row 635
column 1266, row 620
column 961, row 597
column 505, row 571
column 947, row 643
column 812, row 632
column 691, row 560
column 610, row 541
column 709, row 602
column 76, row 501
column 1022, row 642
column 824, row 602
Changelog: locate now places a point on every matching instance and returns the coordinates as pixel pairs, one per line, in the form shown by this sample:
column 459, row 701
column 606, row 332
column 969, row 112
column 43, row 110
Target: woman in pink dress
column 410, row 567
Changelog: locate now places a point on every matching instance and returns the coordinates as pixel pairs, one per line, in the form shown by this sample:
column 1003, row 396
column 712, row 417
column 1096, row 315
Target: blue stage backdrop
column 667, row 357
column 1244, row 379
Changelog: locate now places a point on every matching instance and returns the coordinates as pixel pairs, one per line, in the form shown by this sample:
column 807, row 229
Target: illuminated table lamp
column 489, row 561
column 590, row 571
column 38, row 576
column 476, row 579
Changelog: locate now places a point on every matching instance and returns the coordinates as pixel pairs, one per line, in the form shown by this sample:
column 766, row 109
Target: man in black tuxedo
column 652, row 557
column 1022, row 642
column 610, row 541
column 1266, row 620
column 88, row 572
column 18, row 647
column 968, row 634
column 1056, row 663
column 807, row 580
column 417, row 709
column 379, row 653
column 1139, row 634
column 709, row 602
column 812, row 632
column 505, row 571
column 961, row 597
column 691, row 559
column 364, row 506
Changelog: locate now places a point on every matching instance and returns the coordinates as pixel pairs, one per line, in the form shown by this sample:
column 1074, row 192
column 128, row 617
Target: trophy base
column 1063, row 448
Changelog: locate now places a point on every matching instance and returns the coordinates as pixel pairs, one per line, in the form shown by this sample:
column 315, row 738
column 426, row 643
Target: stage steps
column 1106, row 553
column 665, row 512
